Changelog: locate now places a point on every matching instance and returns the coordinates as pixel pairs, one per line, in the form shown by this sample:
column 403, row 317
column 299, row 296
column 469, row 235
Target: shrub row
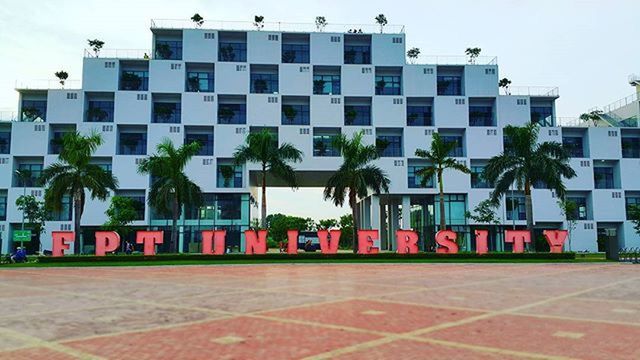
column 273, row 257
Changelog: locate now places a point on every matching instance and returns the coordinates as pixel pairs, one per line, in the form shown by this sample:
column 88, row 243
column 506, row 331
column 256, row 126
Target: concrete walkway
column 369, row 311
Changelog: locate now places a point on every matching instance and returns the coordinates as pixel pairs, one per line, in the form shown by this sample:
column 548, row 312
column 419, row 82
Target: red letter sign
column 61, row 241
column 555, row 239
column 213, row 242
column 518, row 238
column 255, row 244
column 329, row 246
column 292, row 241
column 407, row 242
column 481, row 241
column 149, row 239
column 106, row 241
column 447, row 241
column 365, row 241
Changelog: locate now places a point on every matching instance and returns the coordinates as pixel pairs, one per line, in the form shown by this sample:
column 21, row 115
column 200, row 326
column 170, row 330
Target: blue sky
column 586, row 48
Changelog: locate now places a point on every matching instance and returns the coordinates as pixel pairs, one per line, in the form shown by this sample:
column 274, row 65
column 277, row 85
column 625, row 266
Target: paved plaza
column 320, row 311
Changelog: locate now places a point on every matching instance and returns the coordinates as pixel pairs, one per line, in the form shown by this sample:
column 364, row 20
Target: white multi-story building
column 216, row 86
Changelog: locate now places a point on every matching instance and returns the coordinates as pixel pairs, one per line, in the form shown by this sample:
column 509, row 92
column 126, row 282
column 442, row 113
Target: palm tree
column 356, row 176
column 73, row 173
column 524, row 163
column 262, row 148
column 439, row 160
column 171, row 188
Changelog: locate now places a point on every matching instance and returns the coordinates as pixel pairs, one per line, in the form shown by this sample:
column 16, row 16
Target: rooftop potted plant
column 95, row 45
column 258, row 22
column 197, row 20
column 382, row 21
column 413, row 54
column 504, row 83
column 473, row 54
column 321, row 23
column 62, row 77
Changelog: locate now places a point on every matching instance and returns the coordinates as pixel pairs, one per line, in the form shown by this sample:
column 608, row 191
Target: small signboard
column 21, row 235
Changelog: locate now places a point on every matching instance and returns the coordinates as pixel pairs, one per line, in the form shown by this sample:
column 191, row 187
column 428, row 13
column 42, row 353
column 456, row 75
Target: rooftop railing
column 8, row 115
column 573, row 122
column 542, row 91
column 620, row 103
column 118, row 53
column 455, row 60
column 45, row 84
column 274, row 26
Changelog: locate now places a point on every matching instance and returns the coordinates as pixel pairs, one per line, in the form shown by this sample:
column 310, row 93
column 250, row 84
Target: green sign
column 21, row 235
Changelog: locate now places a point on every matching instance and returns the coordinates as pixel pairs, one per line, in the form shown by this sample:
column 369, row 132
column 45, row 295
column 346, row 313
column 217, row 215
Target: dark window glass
column 580, row 212
column 200, row 81
column 133, row 144
column 357, row 54
column 230, row 179
column 232, row 51
column 630, row 147
column 573, row 145
column 32, row 174
column 64, row 214
column 34, row 110
column 480, row 116
column 134, row 80
column 55, row 143
column 169, row 49
column 542, row 115
column 295, row 115
column 5, row 142
column 449, row 85
column 167, row 113
column 326, row 84
column 388, row 85
column 3, row 207
column 232, row 114
column 457, row 151
column 100, row 111
column 295, row 53
column 264, row 83
column 478, row 181
column 357, row 115
column 419, row 115
column 603, row 177
column 323, row 145
column 415, row 180
column 389, row 145
column 631, row 201
column 205, row 141
column 515, row 208
column 229, row 206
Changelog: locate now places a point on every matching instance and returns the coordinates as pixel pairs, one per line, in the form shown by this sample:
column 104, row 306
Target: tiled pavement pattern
column 367, row 311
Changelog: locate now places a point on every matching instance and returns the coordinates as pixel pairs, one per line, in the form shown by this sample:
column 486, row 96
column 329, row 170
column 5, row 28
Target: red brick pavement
column 368, row 311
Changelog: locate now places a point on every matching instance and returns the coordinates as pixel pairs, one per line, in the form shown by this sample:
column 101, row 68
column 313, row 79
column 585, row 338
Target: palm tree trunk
column 173, row 247
column 528, row 208
column 443, row 219
column 77, row 216
column 263, row 214
column 354, row 215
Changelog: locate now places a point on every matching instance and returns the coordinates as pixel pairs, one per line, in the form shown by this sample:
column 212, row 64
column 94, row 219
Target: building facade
column 216, row 86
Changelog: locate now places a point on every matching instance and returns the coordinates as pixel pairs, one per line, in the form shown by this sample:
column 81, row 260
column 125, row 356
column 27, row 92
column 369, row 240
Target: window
column 427, row 71
column 357, row 115
column 232, row 51
column 295, row 53
column 515, row 207
column 573, row 145
column 480, row 115
column 419, row 115
column 5, row 142
column 34, row 110
column 455, row 207
column 209, row 36
column 326, row 84
column 134, row 80
column 264, row 83
column 64, row 214
column 100, row 111
column 141, row 97
column 478, row 181
column 205, row 141
column 323, row 144
column 389, row 145
column 166, row 113
column 133, row 144
column 335, row 39
column 169, row 49
column 138, row 205
column 630, row 147
column 580, row 212
column 603, row 177
column 457, row 151
column 200, row 81
column 630, row 202
column 449, row 85
column 55, row 143
column 232, row 114
column 542, row 115
column 106, row 167
column 72, row 96
column 397, row 40
column 388, row 84
column 295, row 114
column 229, row 175
column 3, row 206
column 229, row 206
column 521, row 101
column 489, row 71
column 31, row 175
column 357, row 54
column 415, row 180
column 272, row 37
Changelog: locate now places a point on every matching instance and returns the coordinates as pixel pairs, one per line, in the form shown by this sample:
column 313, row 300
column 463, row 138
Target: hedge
column 305, row 257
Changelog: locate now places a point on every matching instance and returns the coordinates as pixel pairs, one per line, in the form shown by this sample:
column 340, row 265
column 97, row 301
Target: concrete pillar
column 406, row 212
column 374, row 216
column 393, row 225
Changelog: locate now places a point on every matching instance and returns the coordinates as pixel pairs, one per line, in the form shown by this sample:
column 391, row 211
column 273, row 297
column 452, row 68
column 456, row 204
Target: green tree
column 278, row 225
column 593, row 116
column 484, row 213
column 95, row 45
column 62, row 76
column 473, row 54
column 347, row 235
column 413, row 54
column 262, row 148
column 381, row 20
column 121, row 212
column 171, row 188
column 35, row 212
column 73, row 173
column 570, row 210
column 197, row 19
column 439, row 160
column 321, row 22
column 525, row 162
column 326, row 224
column 634, row 216
column 356, row 176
